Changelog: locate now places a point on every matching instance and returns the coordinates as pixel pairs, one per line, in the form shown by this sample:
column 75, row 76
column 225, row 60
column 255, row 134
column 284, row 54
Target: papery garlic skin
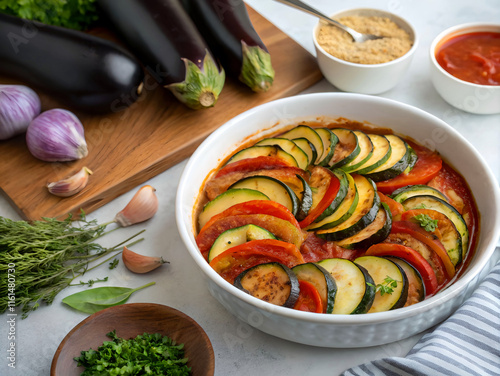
column 140, row 264
column 19, row 105
column 56, row 135
column 142, row 207
column 72, row 185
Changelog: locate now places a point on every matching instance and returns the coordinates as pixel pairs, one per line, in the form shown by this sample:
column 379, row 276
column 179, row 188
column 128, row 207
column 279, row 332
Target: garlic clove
column 142, row 207
column 72, row 185
column 137, row 263
column 19, row 105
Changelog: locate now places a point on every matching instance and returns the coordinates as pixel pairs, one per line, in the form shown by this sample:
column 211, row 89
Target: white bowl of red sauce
column 465, row 67
column 460, row 169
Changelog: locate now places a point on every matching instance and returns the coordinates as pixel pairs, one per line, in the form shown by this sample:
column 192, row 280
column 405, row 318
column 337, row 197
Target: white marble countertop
column 239, row 348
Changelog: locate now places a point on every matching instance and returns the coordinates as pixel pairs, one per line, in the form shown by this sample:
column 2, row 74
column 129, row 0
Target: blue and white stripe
column 466, row 344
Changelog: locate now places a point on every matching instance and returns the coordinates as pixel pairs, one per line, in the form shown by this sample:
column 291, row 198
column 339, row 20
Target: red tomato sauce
column 472, row 57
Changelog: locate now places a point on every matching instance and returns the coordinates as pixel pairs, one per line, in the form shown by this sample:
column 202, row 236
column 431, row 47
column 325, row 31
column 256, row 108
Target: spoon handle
column 308, row 9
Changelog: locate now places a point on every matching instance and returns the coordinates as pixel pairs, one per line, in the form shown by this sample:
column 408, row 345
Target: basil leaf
column 94, row 300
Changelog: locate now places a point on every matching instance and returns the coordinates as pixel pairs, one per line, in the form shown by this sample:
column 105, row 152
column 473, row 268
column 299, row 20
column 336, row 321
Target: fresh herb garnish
column 426, row 222
column 147, row 354
column 387, row 287
column 113, row 264
column 90, row 282
column 73, row 14
column 44, row 257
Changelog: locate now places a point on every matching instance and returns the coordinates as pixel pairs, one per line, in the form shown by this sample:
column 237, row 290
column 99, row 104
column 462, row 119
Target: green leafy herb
column 426, row 222
column 147, row 354
column 73, row 14
column 91, row 282
column 113, row 264
column 420, row 206
column 387, row 287
column 44, row 257
column 94, row 300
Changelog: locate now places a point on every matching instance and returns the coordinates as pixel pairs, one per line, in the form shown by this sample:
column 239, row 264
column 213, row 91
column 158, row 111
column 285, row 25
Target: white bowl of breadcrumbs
column 371, row 67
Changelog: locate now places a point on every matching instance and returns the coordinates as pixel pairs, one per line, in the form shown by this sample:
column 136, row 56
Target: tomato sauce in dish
column 472, row 57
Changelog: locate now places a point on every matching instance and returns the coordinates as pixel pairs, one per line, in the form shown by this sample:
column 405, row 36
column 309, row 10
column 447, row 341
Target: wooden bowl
column 130, row 320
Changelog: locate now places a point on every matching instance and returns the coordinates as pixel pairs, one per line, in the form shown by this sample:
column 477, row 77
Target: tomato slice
column 231, row 263
column 429, row 239
column 309, row 299
column 280, row 228
column 326, row 200
column 428, row 165
column 255, row 207
column 252, row 164
column 395, row 207
column 412, row 257
column 315, row 249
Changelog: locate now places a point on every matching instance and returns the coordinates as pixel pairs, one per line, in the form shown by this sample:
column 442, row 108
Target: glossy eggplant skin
column 228, row 30
column 160, row 33
column 82, row 71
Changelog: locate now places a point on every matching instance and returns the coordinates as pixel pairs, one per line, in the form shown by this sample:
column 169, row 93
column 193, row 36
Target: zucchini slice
column 308, row 133
column 416, row 286
column 381, row 153
column 273, row 188
column 355, row 286
column 343, row 211
column 398, row 162
column 290, row 147
column 365, row 213
column 264, row 150
column 404, row 193
column 321, row 279
column 347, row 149
column 236, row 236
column 365, row 153
column 341, row 194
column 375, row 232
column 330, row 141
column 306, row 201
column 271, row 282
column 308, row 148
column 227, row 199
column 384, row 271
column 435, row 203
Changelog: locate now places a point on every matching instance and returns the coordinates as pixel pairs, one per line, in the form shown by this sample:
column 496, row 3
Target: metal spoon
column 357, row 37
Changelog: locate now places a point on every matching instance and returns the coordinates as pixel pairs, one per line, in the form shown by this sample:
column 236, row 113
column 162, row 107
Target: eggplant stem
column 256, row 71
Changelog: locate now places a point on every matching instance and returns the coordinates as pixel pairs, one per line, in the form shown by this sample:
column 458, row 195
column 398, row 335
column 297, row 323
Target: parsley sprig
column 426, row 222
column 387, row 287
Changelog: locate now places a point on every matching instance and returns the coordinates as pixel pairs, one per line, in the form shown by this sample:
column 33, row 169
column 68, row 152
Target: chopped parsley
column 426, row 222
column 147, row 354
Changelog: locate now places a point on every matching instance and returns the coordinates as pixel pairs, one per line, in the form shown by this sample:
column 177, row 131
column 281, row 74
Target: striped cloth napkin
column 467, row 343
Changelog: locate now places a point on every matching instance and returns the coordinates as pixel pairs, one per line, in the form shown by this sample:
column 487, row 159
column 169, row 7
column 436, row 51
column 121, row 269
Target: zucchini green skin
column 341, row 194
column 311, row 135
column 392, row 168
column 290, row 147
column 321, row 279
column 165, row 39
column 308, row 148
column 366, row 151
column 414, row 278
column 273, row 188
column 307, row 200
column 379, row 268
column 82, row 71
column 236, row 236
column 382, row 151
column 227, row 28
column 269, row 290
column 263, row 150
column 405, row 193
column 225, row 200
column 330, row 141
column 341, row 134
column 435, row 203
column 355, row 286
column 368, row 204
column 371, row 234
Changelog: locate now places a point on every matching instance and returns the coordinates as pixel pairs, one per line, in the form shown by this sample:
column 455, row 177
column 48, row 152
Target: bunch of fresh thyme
column 40, row 259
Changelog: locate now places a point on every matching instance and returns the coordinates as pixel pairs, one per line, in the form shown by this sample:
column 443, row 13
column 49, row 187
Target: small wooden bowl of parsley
column 151, row 336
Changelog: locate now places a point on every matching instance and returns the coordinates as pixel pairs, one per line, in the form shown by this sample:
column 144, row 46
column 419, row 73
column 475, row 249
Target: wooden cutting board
column 134, row 145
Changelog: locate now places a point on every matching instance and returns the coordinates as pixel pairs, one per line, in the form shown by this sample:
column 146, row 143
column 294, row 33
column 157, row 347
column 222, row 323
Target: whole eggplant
column 229, row 32
column 85, row 72
column 165, row 40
